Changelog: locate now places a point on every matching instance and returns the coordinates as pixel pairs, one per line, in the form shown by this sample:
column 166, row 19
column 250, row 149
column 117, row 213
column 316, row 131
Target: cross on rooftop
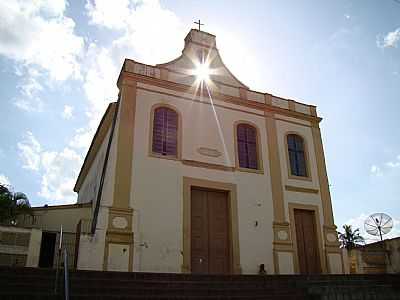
column 198, row 23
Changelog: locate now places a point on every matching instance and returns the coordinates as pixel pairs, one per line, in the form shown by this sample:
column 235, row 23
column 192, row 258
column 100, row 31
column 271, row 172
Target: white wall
column 157, row 186
column 90, row 185
column 34, row 248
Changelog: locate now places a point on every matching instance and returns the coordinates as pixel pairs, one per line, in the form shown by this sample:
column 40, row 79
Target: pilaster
column 118, row 252
column 330, row 238
column 282, row 244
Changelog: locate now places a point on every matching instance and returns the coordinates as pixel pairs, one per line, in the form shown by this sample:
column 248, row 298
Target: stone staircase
column 34, row 284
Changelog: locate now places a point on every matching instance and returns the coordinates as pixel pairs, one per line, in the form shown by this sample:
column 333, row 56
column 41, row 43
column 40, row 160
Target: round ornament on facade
column 282, row 235
column 119, row 223
column 331, row 237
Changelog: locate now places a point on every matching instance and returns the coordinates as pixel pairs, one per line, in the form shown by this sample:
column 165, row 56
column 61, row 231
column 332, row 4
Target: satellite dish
column 378, row 224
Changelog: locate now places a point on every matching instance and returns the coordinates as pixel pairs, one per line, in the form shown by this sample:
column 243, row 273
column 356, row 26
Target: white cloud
column 58, row 170
column 138, row 36
column 395, row 163
column 358, row 222
column 41, row 40
column 375, row 170
column 38, row 33
column 390, row 40
column 110, row 14
column 4, row 179
column 384, row 168
column 102, row 68
column 29, row 152
column 153, row 33
column 67, row 112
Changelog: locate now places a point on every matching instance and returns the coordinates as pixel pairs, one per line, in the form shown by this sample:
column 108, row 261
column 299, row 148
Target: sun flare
column 202, row 72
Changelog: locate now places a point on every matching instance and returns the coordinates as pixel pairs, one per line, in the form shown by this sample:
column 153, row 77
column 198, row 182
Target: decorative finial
column 198, row 23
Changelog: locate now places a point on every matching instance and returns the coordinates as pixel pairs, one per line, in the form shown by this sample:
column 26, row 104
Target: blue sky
column 59, row 63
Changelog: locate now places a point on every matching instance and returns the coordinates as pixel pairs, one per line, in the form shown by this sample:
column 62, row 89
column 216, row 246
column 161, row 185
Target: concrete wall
column 92, row 247
column 20, row 246
column 379, row 257
column 90, row 185
column 52, row 217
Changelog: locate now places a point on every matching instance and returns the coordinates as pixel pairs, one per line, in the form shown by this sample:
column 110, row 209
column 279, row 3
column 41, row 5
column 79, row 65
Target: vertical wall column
column 333, row 253
column 282, row 244
column 118, row 252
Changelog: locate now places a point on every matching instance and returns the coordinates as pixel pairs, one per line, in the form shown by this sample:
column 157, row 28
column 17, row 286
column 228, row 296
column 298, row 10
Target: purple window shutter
column 296, row 155
column 171, row 133
column 241, row 143
column 158, row 131
column 252, row 147
column 247, row 146
column 165, row 135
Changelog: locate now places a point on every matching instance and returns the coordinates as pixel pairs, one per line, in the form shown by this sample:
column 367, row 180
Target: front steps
column 33, row 284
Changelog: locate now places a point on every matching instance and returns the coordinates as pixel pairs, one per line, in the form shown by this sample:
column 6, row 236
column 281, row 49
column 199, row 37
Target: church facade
column 193, row 172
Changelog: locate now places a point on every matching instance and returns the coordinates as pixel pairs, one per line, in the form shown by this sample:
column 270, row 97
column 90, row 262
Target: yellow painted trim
column 188, row 183
column 179, row 133
column 275, row 169
column 306, row 157
column 260, row 164
column 322, row 176
column 179, row 87
column 291, row 104
column 322, row 255
column 268, row 99
column 123, row 236
column 125, row 138
column 200, row 164
column 191, row 99
column 281, row 245
column 121, row 239
column 292, row 122
column 298, row 189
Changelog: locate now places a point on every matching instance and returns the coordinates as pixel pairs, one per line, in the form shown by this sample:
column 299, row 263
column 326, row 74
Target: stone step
column 181, row 291
column 139, row 297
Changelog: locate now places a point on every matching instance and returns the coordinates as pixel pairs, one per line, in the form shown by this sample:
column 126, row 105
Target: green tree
column 12, row 204
column 350, row 238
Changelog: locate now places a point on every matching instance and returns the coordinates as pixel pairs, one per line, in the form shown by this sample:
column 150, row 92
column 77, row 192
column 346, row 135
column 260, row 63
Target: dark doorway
column 47, row 248
column 210, row 251
column 307, row 242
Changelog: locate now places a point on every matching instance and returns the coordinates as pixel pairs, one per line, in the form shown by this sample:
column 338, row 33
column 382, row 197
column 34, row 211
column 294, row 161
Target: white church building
column 192, row 171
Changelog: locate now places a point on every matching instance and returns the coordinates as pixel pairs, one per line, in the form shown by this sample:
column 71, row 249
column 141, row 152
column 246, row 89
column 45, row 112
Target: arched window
column 165, row 132
column 246, row 136
column 296, row 155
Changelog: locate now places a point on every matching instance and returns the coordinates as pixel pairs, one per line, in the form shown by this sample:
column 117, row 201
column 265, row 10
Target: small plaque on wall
column 209, row 152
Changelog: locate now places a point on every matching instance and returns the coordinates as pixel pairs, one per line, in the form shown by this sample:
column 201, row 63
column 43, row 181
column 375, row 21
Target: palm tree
column 12, row 204
column 350, row 238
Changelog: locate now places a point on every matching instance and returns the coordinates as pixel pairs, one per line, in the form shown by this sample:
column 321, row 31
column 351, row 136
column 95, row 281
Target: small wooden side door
column 307, row 242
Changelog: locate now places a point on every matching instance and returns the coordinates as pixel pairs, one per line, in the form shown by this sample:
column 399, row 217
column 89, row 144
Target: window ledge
column 295, row 177
column 247, row 170
column 169, row 157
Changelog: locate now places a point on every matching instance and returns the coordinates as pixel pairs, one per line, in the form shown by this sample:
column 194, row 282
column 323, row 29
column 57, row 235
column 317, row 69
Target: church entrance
column 307, row 243
column 210, row 240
